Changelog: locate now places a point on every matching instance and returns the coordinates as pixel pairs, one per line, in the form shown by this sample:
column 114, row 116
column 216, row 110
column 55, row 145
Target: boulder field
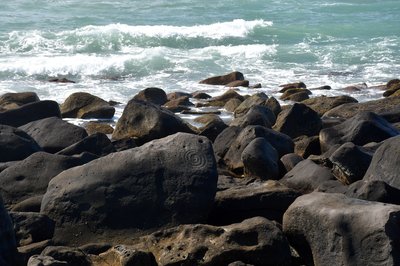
column 300, row 181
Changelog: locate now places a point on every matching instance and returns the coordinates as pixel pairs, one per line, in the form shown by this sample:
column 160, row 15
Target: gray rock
column 256, row 115
column 253, row 100
column 8, row 247
column 224, row 140
column 290, row 160
column 31, row 204
column 306, row 146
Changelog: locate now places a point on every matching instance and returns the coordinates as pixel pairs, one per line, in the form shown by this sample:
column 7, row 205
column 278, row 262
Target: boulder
column 223, row 80
column 122, row 255
column 374, row 191
column 306, row 176
column 332, row 229
column 298, row 120
column 95, row 127
column 290, row 160
column 238, row 83
column 124, row 144
column 15, row 144
column 39, row 260
column 323, row 104
column 306, row 146
column 146, row 121
column 268, row 199
column 27, row 251
column 31, row 176
column 361, row 129
column 293, row 85
column 260, row 160
column 286, row 93
column 296, row 96
column 54, row 134
column 31, row 204
column 85, row 105
column 232, row 104
column 179, row 104
column 12, row 100
column 212, row 128
column 350, row 162
column 385, row 164
column 177, row 94
column 98, row 144
column 201, row 95
column 73, row 256
column 154, row 95
column 61, row 80
column 324, row 87
column 224, row 140
column 256, row 115
column 221, row 100
column 253, row 100
column 8, row 247
column 167, row 181
column 30, row 112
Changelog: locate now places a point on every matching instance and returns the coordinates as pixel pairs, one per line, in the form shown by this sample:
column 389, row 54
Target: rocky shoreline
column 312, row 182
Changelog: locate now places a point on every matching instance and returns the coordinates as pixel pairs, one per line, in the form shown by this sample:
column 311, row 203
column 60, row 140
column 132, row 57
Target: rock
column 213, row 128
column 232, row 104
column 179, row 104
column 221, row 100
column 288, row 92
column 31, row 204
column 256, row 86
column 355, row 87
column 268, row 199
column 353, row 232
column 281, row 142
column 30, row 112
column 168, row 181
column 95, row 127
column 98, row 144
column 292, row 86
column 325, row 87
column 201, row 95
column 124, row 144
column 30, row 177
column 361, row 129
column 253, row 100
column 54, row 134
column 323, row 104
column 34, row 249
column 146, row 121
column 380, row 107
column 122, row 255
column 254, row 241
column 73, row 256
column 392, row 88
column 31, row 227
column 297, row 121
column 224, row 140
column 8, row 245
column 39, row 260
column 306, row 176
column 385, row 164
column 305, row 146
column 350, row 162
column 223, row 80
column 290, row 160
column 61, row 80
column 260, row 160
column 178, row 94
column 273, row 105
column 15, row 144
column 208, row 118
column 297, row 96
column 153, row 95
column 12, row 100
column 85, row 105
column 238, row 83
column 256, row 115
column 95, row 248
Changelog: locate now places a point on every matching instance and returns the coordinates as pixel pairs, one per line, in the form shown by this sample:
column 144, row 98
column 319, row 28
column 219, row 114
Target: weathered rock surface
column 30, row 112
column 31, row 204
column 98, row 144
column 95, row 127
column 269, row 199
column 179, row 104
column 293, row 85
column 168, row 181
column 332, row 229
column 146, row 121
column 153, row 95
column 54, row 134
column 15, row 144
column 323, row 104
column 221, row 100
column 223, row 80
column 39, row 260
column 290, row 160
column 122, row 255
column 73, row 256
column 14, row 100
column 86, row 105
column 232, row 104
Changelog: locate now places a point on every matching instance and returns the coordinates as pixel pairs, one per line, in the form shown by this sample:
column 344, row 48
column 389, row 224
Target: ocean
column 113, row 49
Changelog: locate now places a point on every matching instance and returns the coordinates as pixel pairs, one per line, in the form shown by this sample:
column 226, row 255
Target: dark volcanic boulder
column 54, row 134
column 306, row 146
column 14, row 100
column 374, row 191
column 255, row 241
column 86, row 105
column 256, row 115
column 224, row 140
column 98, row 144
column 223, row 80
column 323, row 104
column 146, row 121
column 153, row 95
column 332, row 229
column 268, row 199
column 15, row 144
column 385, row 164
column 168, row 181
column 361, row 129
column 30, row 177
column 212, row 128
column 8, row 246
column 297, row 121
column 30, row 112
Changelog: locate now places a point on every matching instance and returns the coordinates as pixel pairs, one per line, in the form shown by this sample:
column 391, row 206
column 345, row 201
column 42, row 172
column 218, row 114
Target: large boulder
column 323, row 104
column 385, row 164
column 153, row 95
column 269, row 199
column 31, row 176
column 54, row 134
column 73, row 256
column 168, row 181
column 361, row 129
column 253, row 100
column 213, row 127
column 86, row 105
column 223, row 80
column 146, row 121
column 98, row 144
column 15, row 144
column 224, row 140
column 221, row 100
column 30, row 112
column 12, row 100
column 256, row 115
column 298, row 120
column 8, row 246
column 332, row 229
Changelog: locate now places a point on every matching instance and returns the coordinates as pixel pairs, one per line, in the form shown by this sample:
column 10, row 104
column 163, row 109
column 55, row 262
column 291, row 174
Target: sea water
column 113, row 49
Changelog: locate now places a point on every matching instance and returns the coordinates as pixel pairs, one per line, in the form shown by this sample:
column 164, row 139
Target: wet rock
column 221, row 100
column 290, row 160
column 15, row 144
column 61, row 80
column 294, row 85
column 355, row 87
column 256, row 86
column 232, row 104
column 178, row 94
column 94, row 127
column 167, row 181
column 323, row 104
column 392, row 87
column 30, row 112
column 212, row 128
column 152, row 95
column 256, row 115
column 54, row 134
column 296, row 96
column 39, row 260
column 122, row 255
column 325, row 87
column 289, row 92
column 85, row 105
column 12, row 100
column 253, row 100
column 34, row 249
column 145, row 121
column 98, row 144
column 73, row 256
column 179, row 104
column 353, row 232
column 361, row 129
column 223, row 80
column 273, row 105
column 201, row 95
column 238, row 83
column 297, row 121
column 268, row 199
column 305, row 146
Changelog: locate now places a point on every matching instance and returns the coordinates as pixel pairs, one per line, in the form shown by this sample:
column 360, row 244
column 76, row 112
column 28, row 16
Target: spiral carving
column 194, row 158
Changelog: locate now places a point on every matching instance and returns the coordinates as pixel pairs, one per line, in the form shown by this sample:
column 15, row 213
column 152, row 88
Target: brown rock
column 14, row 100
column 292, row 86
column 153, row 95
column 223, row 80
column 322, row 104
column 95, row 127
column 232, row 104
column 238, row 83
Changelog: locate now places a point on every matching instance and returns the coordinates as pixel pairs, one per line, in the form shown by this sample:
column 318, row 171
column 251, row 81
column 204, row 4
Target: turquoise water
column 115, row 48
